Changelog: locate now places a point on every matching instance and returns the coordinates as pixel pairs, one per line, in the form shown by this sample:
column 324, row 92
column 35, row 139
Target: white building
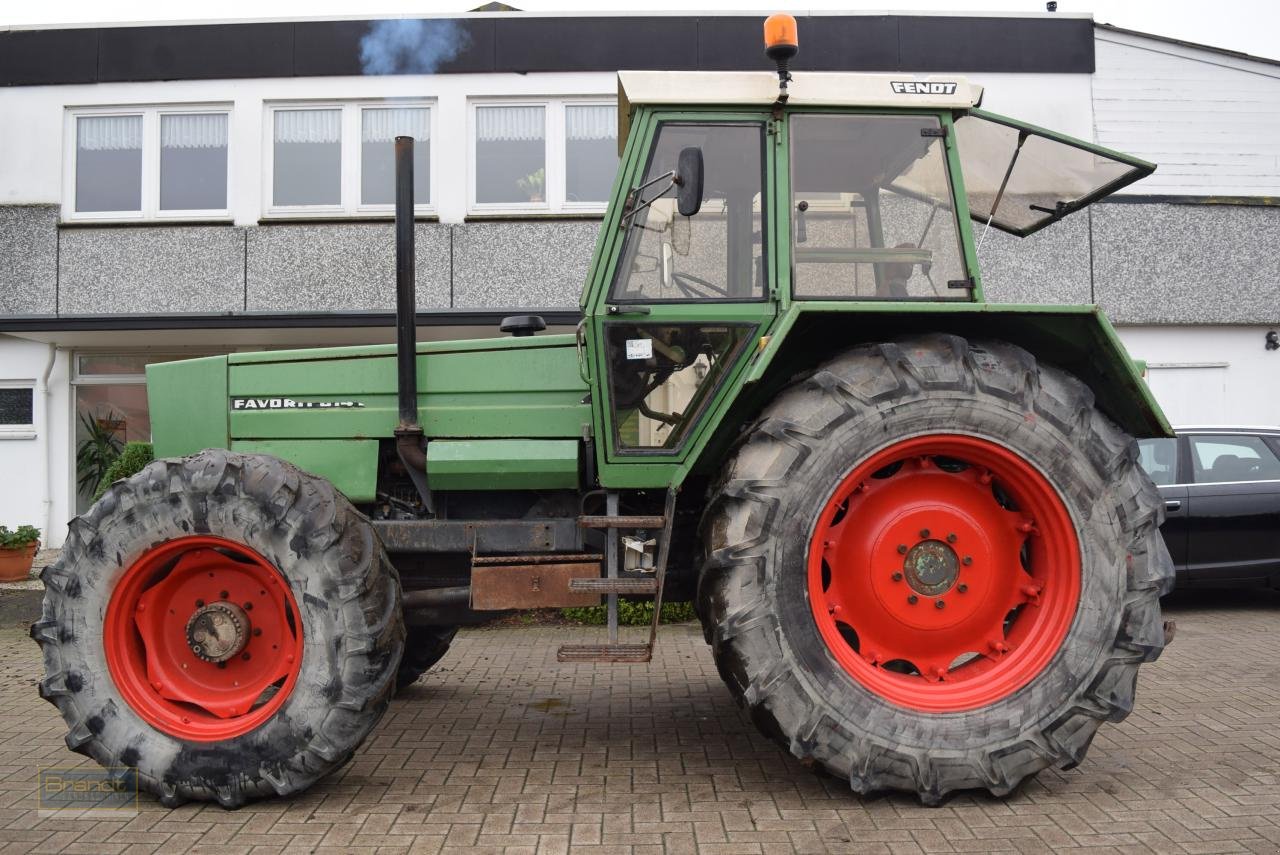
column 170, row 191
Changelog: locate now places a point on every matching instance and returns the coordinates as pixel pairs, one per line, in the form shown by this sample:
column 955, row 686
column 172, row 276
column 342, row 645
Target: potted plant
column 98, row 450
column 533, row 184
column 17, row 551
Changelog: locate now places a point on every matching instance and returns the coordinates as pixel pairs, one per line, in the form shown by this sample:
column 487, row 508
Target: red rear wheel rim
column 952, row 520
column 150, row 650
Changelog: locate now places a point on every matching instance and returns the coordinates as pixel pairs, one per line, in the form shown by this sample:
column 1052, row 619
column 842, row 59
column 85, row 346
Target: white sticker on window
column 639, row 348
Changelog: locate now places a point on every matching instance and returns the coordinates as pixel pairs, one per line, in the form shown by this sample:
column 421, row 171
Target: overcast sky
column 1250, row 26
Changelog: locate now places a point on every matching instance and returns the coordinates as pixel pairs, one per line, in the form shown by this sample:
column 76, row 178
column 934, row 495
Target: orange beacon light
column 780, row 40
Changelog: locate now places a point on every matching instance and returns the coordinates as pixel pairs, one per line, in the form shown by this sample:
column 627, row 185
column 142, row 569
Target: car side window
column 1159, row 459
column 1225, row 459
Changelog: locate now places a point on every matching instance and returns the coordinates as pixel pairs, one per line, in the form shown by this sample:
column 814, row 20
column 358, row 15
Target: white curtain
column 591, row 122
column 308, row 126
column 203, row 130
column 505, row 124
column 109, row 133
column 382, row 124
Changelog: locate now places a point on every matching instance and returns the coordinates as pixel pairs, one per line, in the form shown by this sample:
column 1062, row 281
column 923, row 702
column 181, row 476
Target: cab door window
column 872, row 213
column 718, row 253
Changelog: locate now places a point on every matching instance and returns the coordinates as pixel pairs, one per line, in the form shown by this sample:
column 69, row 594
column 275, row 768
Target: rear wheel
column 934, row 566
column 226, row 624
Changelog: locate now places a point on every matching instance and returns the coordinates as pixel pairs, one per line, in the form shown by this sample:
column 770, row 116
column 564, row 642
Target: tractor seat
column 522, row 325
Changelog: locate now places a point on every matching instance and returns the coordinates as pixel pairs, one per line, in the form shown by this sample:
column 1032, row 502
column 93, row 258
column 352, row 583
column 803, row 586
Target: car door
column 1160, row 459
column 1233, row 531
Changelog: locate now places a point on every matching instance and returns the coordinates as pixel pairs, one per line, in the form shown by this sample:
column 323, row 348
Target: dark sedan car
column 1221, row 489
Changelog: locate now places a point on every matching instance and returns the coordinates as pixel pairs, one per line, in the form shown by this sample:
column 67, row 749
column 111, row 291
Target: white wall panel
column 1211, row 121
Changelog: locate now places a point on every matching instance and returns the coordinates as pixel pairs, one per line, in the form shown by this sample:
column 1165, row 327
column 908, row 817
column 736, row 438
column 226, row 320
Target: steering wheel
column 686, row 282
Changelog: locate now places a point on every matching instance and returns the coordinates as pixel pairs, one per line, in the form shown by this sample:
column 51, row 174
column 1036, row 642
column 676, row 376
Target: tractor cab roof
column 1019, row 178
column 806, row 89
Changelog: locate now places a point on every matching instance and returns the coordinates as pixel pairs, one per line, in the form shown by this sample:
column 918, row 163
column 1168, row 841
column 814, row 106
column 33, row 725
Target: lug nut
column 902, row 549
column 221, row 665
column 248, row 606
column 962, row 587
column 897, row 577
column 257, row 630
column 951, row 538
column 245, row 656
column 968, row 559
column 912, row 599
column 924, row 532
column 223, row 594
column 199, row 604
column 939, row 604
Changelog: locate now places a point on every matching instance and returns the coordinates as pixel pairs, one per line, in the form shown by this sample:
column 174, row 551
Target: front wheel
column 934, row 566
column 227, row 625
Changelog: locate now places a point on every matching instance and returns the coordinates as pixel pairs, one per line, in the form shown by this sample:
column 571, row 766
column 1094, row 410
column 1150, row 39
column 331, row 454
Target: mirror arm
column 643, row 205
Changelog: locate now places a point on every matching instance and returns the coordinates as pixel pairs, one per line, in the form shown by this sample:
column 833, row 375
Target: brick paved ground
column 503, row 749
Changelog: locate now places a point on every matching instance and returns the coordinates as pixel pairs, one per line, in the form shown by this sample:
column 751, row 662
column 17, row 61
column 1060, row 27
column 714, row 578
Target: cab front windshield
column 872, row 212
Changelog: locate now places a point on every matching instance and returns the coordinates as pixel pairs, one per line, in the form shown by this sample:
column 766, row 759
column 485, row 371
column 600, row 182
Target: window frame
column 555, row 156
column 349, row 141
column 20, row 431
column 150, row 209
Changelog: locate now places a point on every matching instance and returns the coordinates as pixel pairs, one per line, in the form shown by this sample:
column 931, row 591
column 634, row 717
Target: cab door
column 687, row 296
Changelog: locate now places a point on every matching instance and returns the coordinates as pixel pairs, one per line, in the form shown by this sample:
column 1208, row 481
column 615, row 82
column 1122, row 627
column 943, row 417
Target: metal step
column 621, row 522
column 605, row 653
column 614, row 586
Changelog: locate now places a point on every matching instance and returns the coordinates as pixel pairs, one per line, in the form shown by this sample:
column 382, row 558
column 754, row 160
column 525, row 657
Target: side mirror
column 688, row 181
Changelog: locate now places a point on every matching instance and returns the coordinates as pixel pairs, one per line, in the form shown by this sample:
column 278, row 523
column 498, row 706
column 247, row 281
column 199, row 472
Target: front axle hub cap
column 218, row 631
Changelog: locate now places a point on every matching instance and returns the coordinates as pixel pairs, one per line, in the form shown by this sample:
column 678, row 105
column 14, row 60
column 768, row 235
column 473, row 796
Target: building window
column 110, row 410
column 148, row 163
column 307, row 152
column 17, row 411
column 511, row 155
column 549, row 156
column 379, row 127
column 338, row 159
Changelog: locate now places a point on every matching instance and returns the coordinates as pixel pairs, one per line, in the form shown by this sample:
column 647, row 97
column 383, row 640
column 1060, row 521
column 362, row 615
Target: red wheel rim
column 151, row 654
column 951, row 520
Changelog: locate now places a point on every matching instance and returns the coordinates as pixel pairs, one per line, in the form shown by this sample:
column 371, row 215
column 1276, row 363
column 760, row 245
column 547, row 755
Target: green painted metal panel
column 502, row 464
column 187, row 402
column 465, row 389
column 351, row 465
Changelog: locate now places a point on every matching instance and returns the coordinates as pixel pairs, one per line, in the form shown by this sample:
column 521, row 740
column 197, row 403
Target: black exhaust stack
column 409, row 436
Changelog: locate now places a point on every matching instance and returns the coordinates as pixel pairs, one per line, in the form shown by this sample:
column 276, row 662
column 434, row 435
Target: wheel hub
column 931, row 567
column 944, row 572
column 182, row 649
column 218, row 631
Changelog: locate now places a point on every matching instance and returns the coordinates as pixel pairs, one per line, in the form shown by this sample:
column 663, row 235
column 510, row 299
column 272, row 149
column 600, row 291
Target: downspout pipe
column 409, row 435
column 46, row 428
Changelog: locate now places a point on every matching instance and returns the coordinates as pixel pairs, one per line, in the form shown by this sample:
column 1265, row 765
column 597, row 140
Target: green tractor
column 912, row 522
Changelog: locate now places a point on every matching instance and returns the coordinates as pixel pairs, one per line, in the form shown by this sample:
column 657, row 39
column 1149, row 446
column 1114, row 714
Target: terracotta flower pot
column 15, row 564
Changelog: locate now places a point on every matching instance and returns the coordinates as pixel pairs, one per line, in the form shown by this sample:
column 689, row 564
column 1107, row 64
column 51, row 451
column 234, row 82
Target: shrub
column 630, row 613
column 132, row 460
column 24, row 536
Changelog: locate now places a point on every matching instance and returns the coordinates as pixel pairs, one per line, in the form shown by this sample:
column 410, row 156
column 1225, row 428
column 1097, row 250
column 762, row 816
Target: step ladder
column 612, row 585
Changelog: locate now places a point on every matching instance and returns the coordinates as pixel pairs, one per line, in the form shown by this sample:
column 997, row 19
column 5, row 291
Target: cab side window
column 717, row 254
column 1227, row 459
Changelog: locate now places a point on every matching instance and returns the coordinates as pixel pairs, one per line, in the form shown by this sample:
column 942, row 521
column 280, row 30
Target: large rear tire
column 226, row 624
column 932, row 566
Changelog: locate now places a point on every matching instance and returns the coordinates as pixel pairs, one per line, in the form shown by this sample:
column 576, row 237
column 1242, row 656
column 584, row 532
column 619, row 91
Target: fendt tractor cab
column 912, row 522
